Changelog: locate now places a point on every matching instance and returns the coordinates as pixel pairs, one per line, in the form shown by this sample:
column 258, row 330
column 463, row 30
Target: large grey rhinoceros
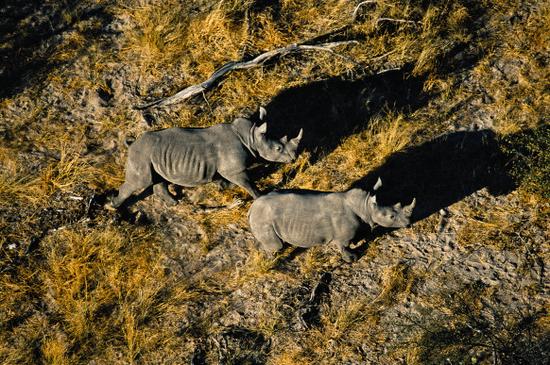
column 194, row 156
column 310, row 218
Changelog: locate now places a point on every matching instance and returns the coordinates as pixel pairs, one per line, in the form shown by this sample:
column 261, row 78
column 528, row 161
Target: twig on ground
column 388, row 70
column 397, row 21
column 383, row 55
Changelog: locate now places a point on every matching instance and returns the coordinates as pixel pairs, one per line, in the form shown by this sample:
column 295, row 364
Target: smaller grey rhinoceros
column 194, row 156
column 310, row 218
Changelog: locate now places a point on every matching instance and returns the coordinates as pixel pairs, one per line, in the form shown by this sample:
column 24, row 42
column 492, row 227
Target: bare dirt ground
column 445, row 101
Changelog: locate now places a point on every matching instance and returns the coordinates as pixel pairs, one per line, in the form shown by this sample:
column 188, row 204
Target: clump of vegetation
column 96, row 293
column 467, row 327
column 528, row 159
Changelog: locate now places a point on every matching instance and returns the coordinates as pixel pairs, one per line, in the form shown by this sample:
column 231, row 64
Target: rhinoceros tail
column 128, row 141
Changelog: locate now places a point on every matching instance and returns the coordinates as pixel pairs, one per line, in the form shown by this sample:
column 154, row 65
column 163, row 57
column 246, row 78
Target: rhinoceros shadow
column 27, row 52
column 445, row 170
column 332, row 109
column 441, row 172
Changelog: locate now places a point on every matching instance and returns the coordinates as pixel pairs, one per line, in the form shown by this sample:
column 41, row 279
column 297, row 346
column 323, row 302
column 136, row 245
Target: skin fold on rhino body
column 194, row 156
column 310, row 218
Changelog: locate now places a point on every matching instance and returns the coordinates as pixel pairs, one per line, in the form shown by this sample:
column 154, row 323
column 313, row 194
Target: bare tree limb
column 356, row 10
column 257, row 61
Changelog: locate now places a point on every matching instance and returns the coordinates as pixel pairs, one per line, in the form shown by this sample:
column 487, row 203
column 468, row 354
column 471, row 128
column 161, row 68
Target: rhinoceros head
column 281, row 150
column 389, row 216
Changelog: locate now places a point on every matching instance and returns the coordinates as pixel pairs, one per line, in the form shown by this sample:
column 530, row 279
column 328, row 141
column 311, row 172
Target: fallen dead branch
column 261, row 59
column 356, row 10
column 257, row 61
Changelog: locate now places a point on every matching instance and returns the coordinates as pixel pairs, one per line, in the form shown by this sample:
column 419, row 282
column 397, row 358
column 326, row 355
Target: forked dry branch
column 260, row 60
column 257, row 61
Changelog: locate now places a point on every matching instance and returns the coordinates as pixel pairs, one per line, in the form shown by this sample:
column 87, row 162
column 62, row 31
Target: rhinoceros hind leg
column 139, row 175
column 347, row 255
column 124, row 193
column 269, row 240
column 161, row 190
column 223, row 184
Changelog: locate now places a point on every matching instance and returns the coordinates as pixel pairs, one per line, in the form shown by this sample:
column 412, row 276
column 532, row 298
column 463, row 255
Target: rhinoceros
column 194, row 156
column 310, row 218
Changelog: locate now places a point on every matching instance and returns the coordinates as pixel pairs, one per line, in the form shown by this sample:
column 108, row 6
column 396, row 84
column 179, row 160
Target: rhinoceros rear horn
column 296, row 140
column 263, row 113
column 409, row 208
column 284, row 139
column 372, row 200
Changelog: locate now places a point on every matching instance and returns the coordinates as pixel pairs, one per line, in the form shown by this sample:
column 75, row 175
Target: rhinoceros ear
column 284, row 140
column 263, row 113
column 372, row 201
column 378, row 184
column 296, row 140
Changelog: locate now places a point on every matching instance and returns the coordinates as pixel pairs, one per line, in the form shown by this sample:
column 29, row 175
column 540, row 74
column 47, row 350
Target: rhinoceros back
column 185, row 157
column 300, row 220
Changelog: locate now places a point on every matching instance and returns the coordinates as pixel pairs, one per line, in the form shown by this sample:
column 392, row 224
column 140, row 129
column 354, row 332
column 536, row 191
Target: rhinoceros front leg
column 347, row 255
column 161, row 190
column 243, row 181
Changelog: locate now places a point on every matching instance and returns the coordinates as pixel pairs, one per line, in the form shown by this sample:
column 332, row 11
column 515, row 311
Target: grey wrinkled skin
column 310, row 218
column 194, row 156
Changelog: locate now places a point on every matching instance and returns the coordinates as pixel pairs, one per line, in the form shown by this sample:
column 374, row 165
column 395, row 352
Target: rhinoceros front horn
column 377, row 185
column 409, row 208
column 296, row 140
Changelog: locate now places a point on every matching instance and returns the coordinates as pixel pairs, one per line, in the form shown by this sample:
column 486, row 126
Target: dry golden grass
column 105, row 289
column 259, row 265
column 153, row 32
column 459, row 322
column 61, row 175
column 290, row 356
column 101, row 291
column 314, row 261
column 356, row 321
column 519, row 92
column 358, row 154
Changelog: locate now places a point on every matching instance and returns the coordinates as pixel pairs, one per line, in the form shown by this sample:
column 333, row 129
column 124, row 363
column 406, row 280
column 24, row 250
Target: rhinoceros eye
column 278, row 148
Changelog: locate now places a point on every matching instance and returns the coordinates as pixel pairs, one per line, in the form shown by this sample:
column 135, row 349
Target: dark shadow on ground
column 31, row 31
column 330, row 110
column 441, row 172
column 453, row 166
